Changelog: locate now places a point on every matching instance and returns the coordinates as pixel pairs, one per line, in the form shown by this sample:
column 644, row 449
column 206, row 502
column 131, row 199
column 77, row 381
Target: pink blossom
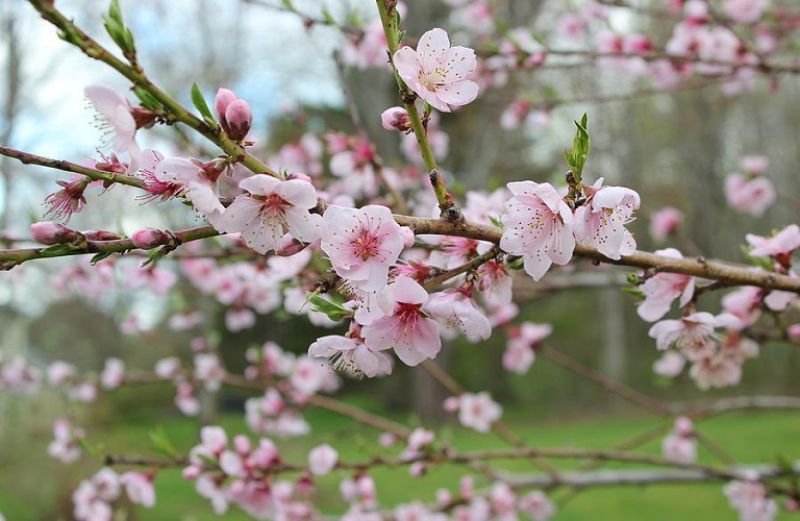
column 751, row 500
column 190, row 178
column 693, row 335
column 754, row 165
column 156, row 279
column 418, row 439
column 60, row 372
column 350, row 352
column 680, row 445
column 395, row 118
column 669, row 365
column 66, row 446
column 716, row 371
column 209, row 370
column 600, row 222
column 69, row 200
column 115, row 118
column 438, row 73
column 238, row 319
column 362, row 244
column 455, row 309
column 745, row 11
column 662, row 289
column 322, row 459
column 113, row 373
column 538, row 226
column 139, row 488
column 522, row 342
column 745, row 304
column 93, row 497
column 749, row 195
column 168, row 368
column 780, row 245
column 793, row 332
column 537, row 505
column 494, row 283
column 664, row 222
column 270, row 209
column 478, row 411
column 308, row 376
column 405, row 327
column 185, row 399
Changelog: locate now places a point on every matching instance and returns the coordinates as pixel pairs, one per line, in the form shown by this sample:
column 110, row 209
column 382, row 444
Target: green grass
column 749, row 437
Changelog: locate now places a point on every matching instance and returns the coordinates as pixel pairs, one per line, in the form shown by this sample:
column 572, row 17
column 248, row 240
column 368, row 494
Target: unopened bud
column 239, row 117
column 289, row 246
column 408, row 236
column 794, row 333
column 396, row 118
column 223, row 98
column 49, row 233
column 147, row 238
column 298, row 175
column 100, row 235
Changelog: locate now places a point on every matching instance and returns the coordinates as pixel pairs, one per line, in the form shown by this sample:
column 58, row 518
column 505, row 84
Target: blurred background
column 675, row 148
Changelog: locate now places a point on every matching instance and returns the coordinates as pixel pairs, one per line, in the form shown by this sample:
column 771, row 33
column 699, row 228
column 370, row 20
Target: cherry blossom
column 322, row 459
column 751, row 500
column 115, row 118
column 455, row 309
column 69, row 200
column 113, row 373
column 350, row 352
column 66, row 446
column 437, row 72
column 139, row 488
column 670, row 364
column 478, row 411
column 780, row 246
column 405, row 327
column 362, row 244
column 522, row 342
column 745, row 11
column 395, row 118
column 180, row 176
column 600, row 222
column 271, row 209
column 662, row 289
column 681, row 445
column 749, row 195
column 93, row 497
column 537, row 505
column 664, row 222
column 538, row 226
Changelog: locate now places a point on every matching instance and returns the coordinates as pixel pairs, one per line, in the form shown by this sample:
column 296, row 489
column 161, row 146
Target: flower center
column 366, row 245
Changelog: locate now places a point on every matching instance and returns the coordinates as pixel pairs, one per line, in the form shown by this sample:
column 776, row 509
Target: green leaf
column 200, row 103
column 57, row 250
column 115, row 27
column 162, row 444
column 146, row 99
column 333, row 310
column 495, row 221
column 328, row 17
column 100, row 256
column 90, row 448
column 636, row 292
column 576, row 158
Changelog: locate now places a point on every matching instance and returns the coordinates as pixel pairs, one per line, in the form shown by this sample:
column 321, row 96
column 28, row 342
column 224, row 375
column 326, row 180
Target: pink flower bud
column 242, row 444
column 396, row 118
column 48, row 233
column 298, row 175
column 794, row 333
column 289, row 246
column 100, row 235
column 408, row 236
column 238, row 117
column 224, row 98
column 451, row 404
column 192, row 472
column 147, row 238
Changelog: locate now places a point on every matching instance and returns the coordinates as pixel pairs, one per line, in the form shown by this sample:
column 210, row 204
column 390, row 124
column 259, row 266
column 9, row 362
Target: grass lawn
column 749, row 437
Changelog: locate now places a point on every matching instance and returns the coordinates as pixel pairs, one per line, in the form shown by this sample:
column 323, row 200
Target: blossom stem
column 13, row 257
column 66, row 166
column 447, row 204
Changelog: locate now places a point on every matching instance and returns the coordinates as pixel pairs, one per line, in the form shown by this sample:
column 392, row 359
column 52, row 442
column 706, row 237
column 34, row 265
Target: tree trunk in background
column 612, row 356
